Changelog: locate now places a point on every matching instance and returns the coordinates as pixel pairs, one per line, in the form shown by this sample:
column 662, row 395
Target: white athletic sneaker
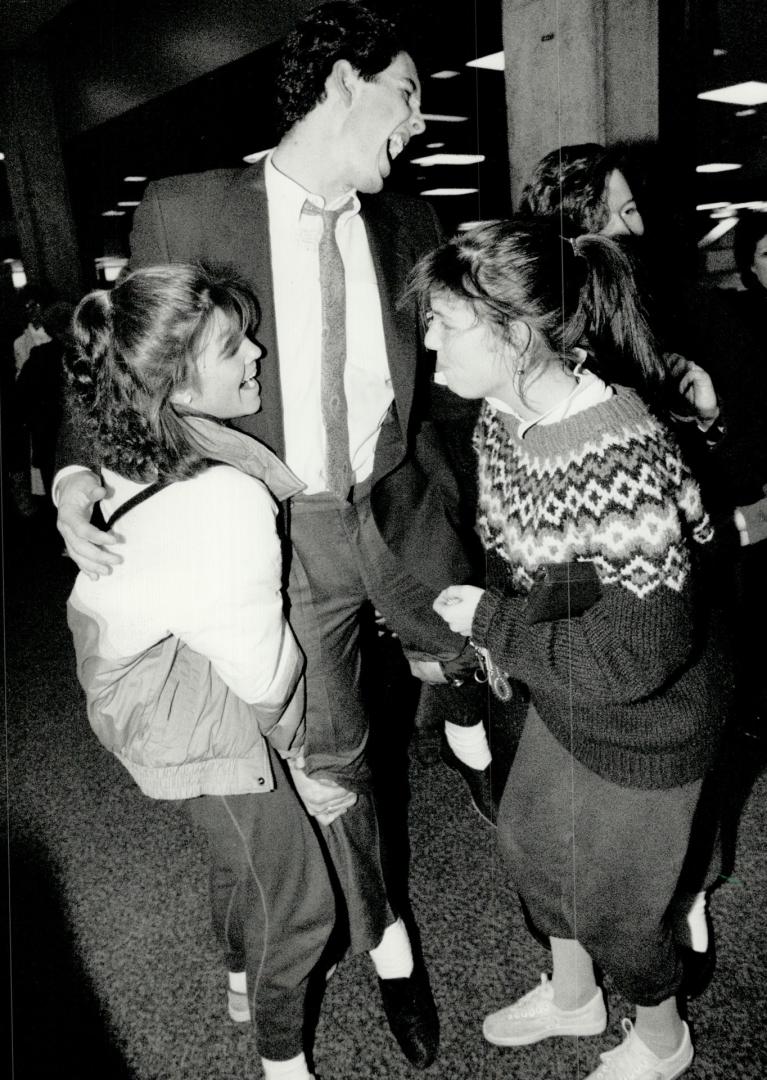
column 632, row 1060
column 535, row 1017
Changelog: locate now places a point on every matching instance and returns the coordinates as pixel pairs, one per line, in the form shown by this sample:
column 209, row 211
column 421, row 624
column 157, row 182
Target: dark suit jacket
column 221, row 217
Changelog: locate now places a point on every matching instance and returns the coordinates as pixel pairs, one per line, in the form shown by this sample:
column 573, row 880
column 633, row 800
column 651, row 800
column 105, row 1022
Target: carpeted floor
column 114, row 971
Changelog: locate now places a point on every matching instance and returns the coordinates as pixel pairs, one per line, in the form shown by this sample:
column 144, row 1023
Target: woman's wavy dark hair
column 338, row 30
column 523, row 270
column 748, row 232
column 570, row 184
column 136, row 344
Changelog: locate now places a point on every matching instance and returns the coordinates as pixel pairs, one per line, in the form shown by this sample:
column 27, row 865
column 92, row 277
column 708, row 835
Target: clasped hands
column 323, row 799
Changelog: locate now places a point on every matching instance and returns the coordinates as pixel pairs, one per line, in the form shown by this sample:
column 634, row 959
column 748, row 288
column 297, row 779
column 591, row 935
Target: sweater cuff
column 484, row 615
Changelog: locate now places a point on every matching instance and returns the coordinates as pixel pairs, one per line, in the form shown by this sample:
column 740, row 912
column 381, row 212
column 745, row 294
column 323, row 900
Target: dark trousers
column 272, row 903
column 339, row 565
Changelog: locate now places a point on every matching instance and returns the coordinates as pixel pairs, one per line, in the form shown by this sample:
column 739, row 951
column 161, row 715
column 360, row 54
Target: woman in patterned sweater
column 593, row 529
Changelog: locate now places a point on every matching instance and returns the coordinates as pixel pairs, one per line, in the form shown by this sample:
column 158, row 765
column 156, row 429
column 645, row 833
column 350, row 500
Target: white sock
column 469, row 744
column 295, row 1069
column 696, row 920
column 393, row 957
column 238, row 982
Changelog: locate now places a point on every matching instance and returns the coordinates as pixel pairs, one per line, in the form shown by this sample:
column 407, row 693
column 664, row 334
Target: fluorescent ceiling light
column 434, row 145
column 725, row 212
column 711, row 205
column 135, row 179
column 745, row 93
column 746, row 112
column 444, row 117
column 752, row 204
column 113, row 213
column 465, row 226
column 718, row 166
column 717, row 232
column 448, row 159
column 250, row 158
column 491, row 62
column 129, row 203
column 444, row 74
column 2, row 156
column 450, row 191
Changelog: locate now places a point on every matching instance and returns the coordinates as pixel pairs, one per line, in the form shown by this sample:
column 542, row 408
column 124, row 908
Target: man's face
column 385, row 114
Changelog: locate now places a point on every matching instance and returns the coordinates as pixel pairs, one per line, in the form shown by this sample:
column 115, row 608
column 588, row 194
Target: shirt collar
column 287, row 196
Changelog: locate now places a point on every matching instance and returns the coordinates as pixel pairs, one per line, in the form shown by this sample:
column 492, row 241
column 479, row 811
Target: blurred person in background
column 39, row 388
column 728, row 334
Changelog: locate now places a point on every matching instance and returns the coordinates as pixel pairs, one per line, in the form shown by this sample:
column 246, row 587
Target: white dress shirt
column 295, row 238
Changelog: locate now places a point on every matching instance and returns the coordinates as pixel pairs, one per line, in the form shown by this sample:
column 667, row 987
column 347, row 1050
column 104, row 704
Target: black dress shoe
column 479, row 784
column 412, row 1016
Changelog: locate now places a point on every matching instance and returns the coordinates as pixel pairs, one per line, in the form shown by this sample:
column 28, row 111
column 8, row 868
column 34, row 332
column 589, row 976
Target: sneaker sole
column 583, row 1031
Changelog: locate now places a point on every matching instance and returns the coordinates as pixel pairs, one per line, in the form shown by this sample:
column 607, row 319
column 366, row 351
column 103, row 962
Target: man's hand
column 324, row 799
column 428, row 671
column 87, row 545
column 456, row 605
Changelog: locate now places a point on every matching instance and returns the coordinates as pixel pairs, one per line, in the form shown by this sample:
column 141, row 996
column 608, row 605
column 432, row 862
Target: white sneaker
column 632, row 1060
column 535, row 1017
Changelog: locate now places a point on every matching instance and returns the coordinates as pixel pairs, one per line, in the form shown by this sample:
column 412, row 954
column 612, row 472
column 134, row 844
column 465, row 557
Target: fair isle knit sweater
column 633, row 686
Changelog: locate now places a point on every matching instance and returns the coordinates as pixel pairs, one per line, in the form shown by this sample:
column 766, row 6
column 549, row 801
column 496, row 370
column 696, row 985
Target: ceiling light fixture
column 129, row 203
column 113, row 213
column 2, row 156
column 135, row 179
column 446, row 74
column 448, row 159
column 717, row 232
column 745, row 93
column 711, row 205
column 445, row 118
column 746, row 112
column 491, row 62
column 451, row 191
column 718, row 166
column 434, row 145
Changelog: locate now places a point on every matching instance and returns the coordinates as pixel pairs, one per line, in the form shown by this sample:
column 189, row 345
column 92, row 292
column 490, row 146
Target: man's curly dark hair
column 338, row 30
column 571, row 183
column 133, row 347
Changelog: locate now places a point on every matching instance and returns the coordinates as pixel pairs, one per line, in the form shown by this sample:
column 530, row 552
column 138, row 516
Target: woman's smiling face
column 225, row 383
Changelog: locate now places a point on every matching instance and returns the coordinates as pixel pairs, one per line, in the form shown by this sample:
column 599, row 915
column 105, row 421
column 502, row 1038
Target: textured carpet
column 114, row 970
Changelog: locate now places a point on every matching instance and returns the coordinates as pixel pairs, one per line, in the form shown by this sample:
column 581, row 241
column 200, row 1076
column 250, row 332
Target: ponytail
column 612, row 317
column 92, row 347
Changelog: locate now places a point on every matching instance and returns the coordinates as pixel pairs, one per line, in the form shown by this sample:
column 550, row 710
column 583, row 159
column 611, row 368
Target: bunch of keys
column 491, row 674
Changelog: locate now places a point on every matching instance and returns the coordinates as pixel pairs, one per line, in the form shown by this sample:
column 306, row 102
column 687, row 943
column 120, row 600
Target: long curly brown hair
column 136, row 344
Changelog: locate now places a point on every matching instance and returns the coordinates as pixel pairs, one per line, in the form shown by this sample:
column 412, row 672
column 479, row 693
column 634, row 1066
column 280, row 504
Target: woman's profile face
column 623, row 217
column 759, row 265
column 225, row 384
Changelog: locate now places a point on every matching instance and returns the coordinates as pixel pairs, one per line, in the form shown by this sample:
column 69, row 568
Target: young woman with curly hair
column 192, row 676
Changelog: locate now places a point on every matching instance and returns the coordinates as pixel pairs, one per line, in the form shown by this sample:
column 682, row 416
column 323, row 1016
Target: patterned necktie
column 338, row 468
